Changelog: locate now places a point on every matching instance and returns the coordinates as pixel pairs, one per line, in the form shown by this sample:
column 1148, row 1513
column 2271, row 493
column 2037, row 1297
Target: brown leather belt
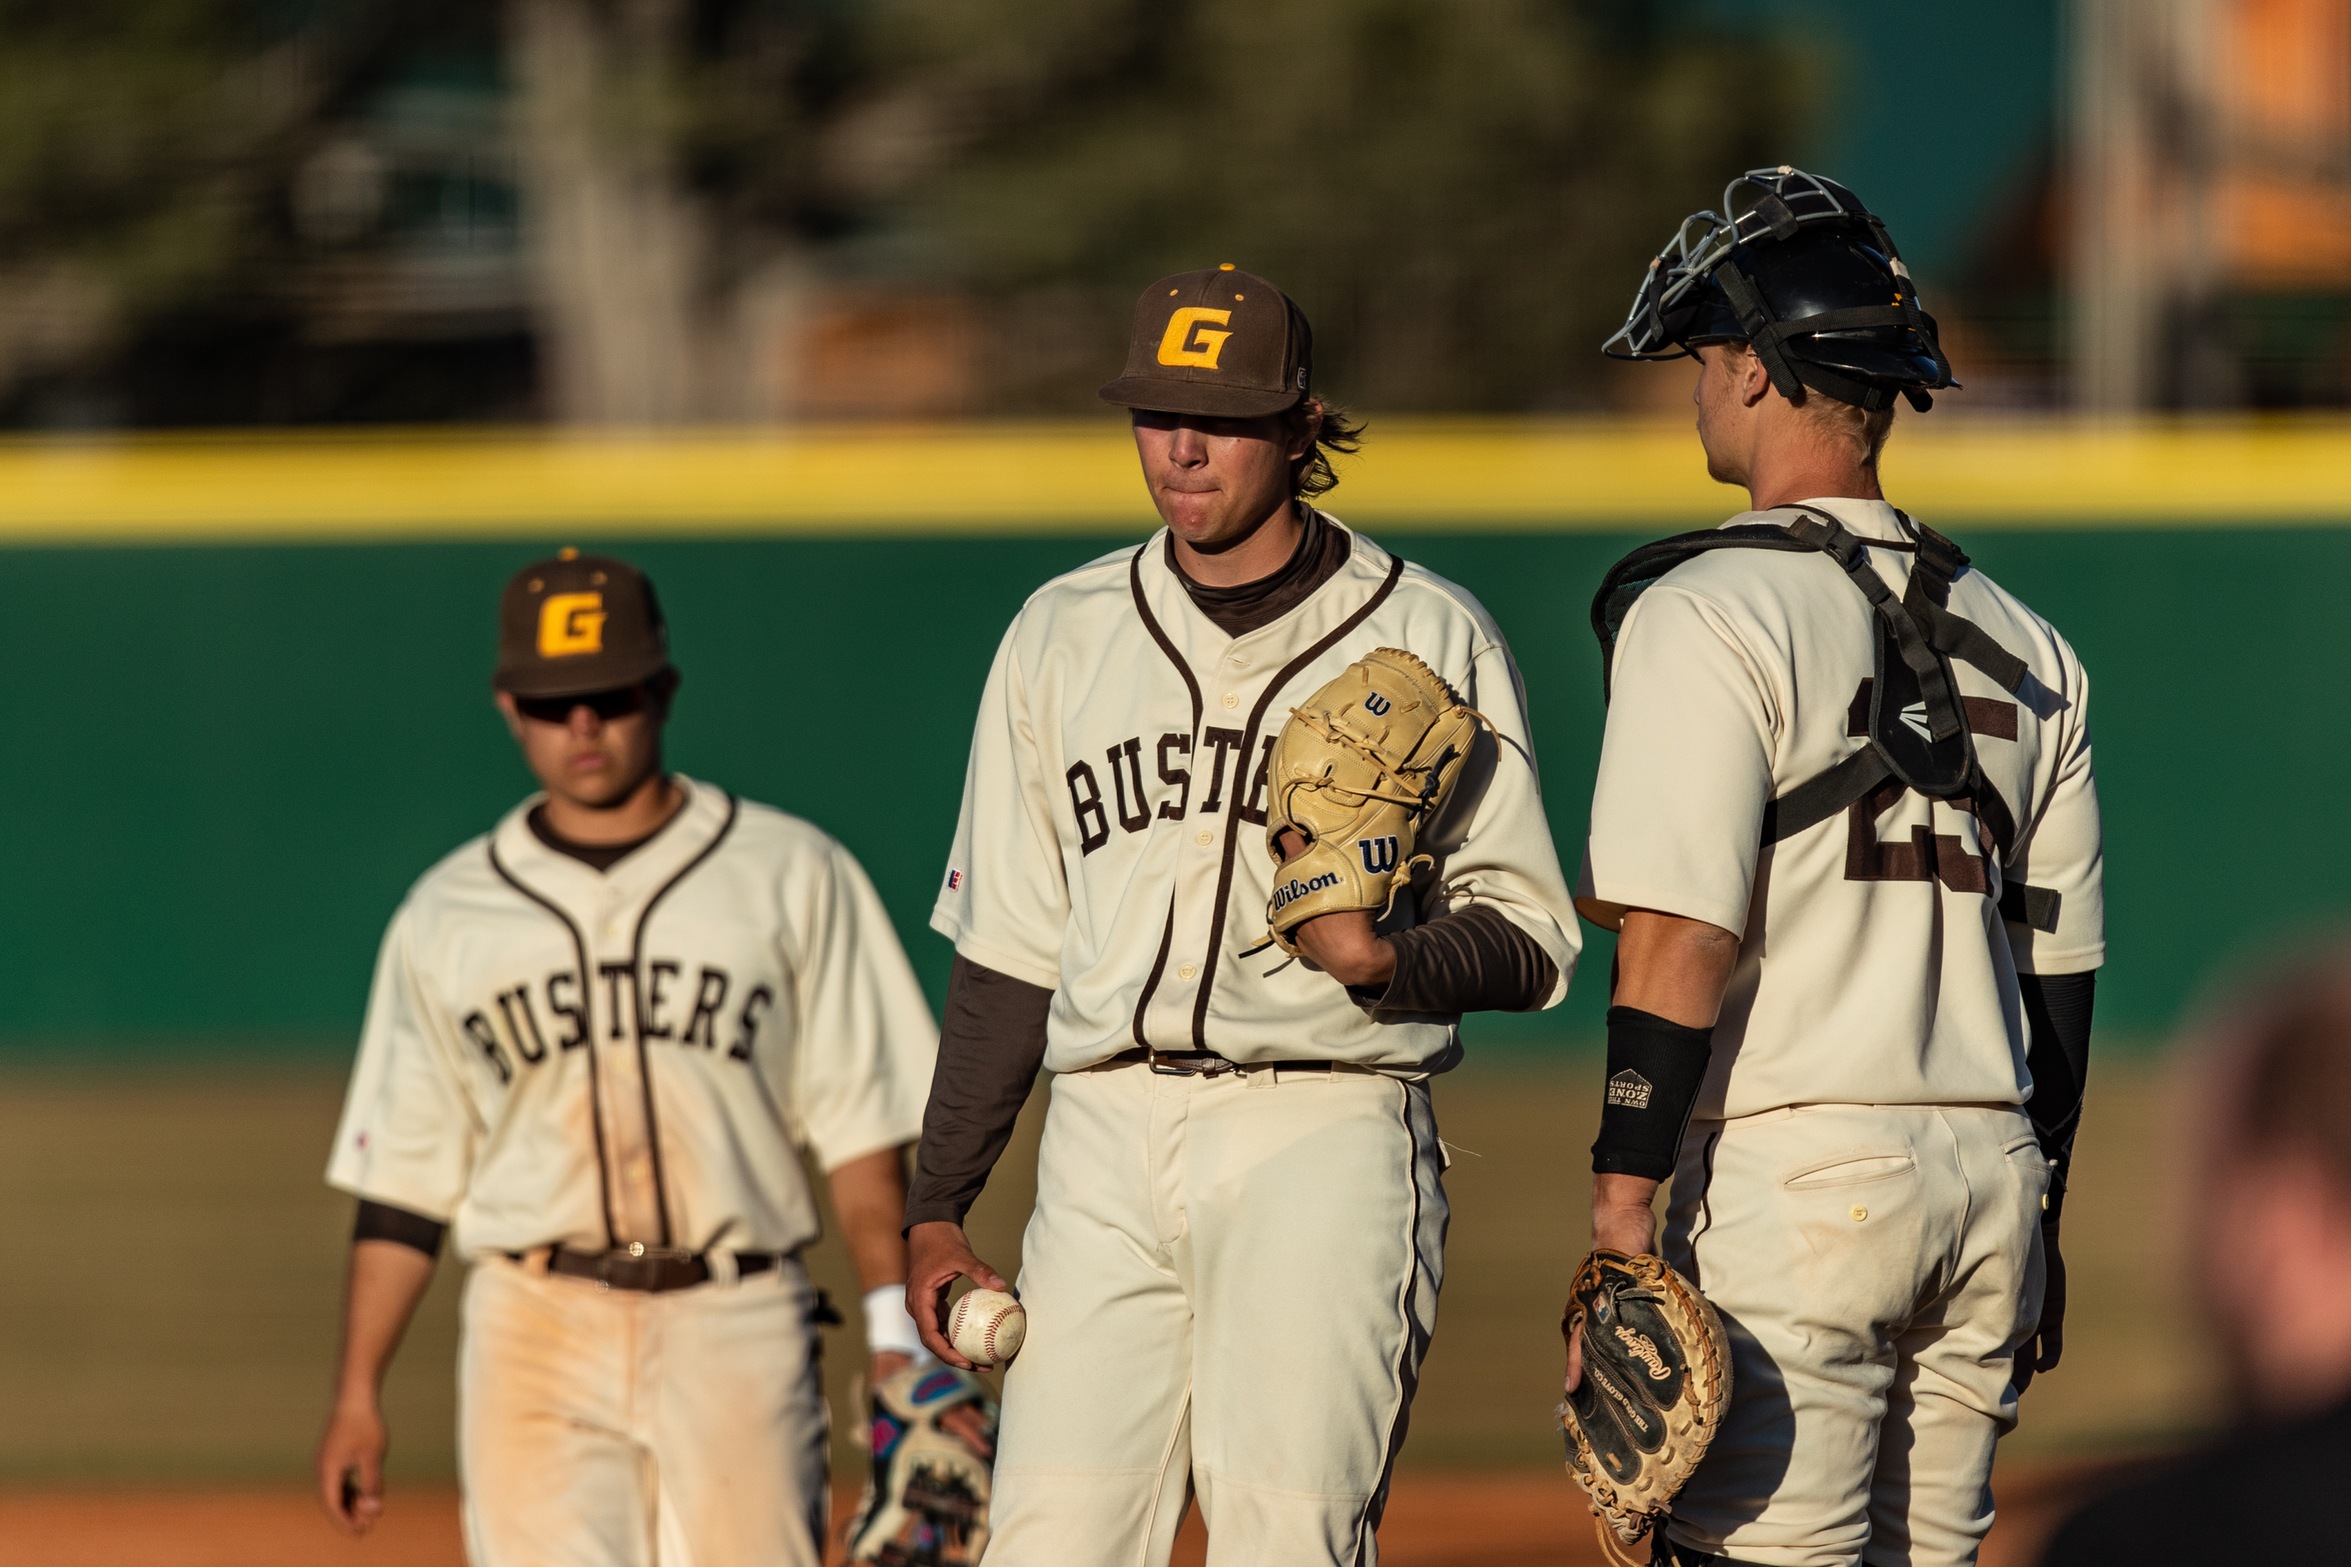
column 1207, row 1063
column 649, row 1268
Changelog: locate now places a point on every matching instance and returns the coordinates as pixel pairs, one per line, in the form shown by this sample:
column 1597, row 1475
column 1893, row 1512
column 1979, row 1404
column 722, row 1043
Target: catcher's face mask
column 1797, row 267
column 1778, row 203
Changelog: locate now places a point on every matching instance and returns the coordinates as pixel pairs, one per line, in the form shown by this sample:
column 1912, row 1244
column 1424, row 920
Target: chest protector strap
column 1918, row 733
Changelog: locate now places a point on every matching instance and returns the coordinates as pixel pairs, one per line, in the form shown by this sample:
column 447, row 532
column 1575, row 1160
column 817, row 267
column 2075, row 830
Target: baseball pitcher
column 1251, row 819
column 599, row 1041
column 1846, row 826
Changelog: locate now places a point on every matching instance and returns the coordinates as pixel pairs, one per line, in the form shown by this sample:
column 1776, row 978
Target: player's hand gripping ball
column 1657, row 1378
column 987, row 1327
column 1358, row 772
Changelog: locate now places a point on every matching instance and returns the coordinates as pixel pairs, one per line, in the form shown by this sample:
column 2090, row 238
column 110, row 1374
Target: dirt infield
column 1434, row 1520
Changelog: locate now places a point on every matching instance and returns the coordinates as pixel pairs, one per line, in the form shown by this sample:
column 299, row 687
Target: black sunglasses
column 606, row 705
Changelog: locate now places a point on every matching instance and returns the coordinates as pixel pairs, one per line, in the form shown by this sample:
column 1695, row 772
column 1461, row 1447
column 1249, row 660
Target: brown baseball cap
column 579, row 624
column 1223, row 343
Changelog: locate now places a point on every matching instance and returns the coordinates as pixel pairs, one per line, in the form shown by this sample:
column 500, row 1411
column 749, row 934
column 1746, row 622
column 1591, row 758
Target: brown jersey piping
column 1191, row 684
column 579, row 944
column 637, row 999
column 1243, row 780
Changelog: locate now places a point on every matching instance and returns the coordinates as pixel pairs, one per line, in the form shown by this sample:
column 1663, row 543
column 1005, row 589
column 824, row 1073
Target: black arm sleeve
column 1655, row 1069
column 380, row 1221
column 2057, row 1018
column 1472, row 960
column 990, row 1049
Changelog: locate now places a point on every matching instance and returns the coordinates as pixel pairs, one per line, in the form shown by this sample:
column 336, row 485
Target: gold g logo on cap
column 571, row 623
column 1188, row 339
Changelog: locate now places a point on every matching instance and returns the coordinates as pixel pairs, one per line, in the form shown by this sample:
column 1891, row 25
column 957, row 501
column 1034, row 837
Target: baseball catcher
column 1846, row 828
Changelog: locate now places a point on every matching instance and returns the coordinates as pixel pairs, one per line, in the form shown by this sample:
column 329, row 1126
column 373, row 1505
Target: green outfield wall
column 224, row 762
column 229, row 762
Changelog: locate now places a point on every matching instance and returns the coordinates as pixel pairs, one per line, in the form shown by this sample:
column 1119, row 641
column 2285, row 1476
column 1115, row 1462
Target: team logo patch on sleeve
column 954, row 879
column 1630, row 1089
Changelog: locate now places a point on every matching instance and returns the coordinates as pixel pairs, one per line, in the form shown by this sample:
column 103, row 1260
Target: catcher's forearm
column 1670, row 977
column 2057, row 1009
column 991, row 1046
column 1674, row 968
column 386, row 1281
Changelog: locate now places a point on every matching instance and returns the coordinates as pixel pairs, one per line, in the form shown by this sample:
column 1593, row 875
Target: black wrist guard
column 1654, row 1069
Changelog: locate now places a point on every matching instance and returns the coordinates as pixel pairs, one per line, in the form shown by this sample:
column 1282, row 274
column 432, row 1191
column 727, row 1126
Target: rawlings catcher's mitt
column 926, row 1504
column 1657, row 1377
column 1358, row 771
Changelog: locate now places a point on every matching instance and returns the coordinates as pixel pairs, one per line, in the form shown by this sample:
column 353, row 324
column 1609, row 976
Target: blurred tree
column 129, row 167
column 167, row 170
column 1462, row 196
column 669, row 154
column 630, row 210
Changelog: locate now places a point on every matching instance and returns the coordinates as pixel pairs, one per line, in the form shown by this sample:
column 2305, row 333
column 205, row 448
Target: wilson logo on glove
column 1379, row 854
column 1291, row 891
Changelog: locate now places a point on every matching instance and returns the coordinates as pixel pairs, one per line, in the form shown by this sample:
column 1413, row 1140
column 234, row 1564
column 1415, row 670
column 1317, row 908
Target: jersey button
column 1186, row 970
column 1206, row 837
column 1232, row 699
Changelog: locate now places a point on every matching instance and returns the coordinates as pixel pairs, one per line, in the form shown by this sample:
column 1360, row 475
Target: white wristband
column 888, row 1328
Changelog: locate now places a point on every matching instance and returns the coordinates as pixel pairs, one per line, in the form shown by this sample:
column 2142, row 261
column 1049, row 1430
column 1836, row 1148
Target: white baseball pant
column 1230, row 1283
column 612, row 1428
column 1876, row 1267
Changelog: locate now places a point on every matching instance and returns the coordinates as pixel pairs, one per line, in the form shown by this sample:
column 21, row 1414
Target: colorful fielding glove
column 926, row 1504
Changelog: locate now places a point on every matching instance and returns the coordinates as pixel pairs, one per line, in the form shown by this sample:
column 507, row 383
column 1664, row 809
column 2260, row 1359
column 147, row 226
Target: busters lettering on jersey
column 554, row 1053
column 693, row 1015
column 1129, row 728
column 1135, row 803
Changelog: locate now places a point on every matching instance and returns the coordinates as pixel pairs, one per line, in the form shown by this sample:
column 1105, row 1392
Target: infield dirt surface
column 171, row 1315
column 1434, row 1520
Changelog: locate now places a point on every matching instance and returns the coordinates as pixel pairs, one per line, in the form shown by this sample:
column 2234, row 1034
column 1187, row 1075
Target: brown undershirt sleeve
column 990, row 1049
column 1472, row 960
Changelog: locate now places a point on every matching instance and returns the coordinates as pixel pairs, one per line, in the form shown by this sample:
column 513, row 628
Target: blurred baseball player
column 2265, row 1168
column 600, row 1039
column 1232, row 1268
column 1846, row 826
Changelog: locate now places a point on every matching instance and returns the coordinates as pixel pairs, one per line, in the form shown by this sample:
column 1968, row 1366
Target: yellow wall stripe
column 993, row 479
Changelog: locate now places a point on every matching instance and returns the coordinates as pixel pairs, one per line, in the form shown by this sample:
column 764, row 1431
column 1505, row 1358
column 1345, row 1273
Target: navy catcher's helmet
column 1805, row 273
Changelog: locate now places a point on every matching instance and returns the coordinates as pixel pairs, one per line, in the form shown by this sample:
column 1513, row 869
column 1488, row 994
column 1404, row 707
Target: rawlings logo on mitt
column 1359, row 770
column 1657, row 1377
column 926, row 1504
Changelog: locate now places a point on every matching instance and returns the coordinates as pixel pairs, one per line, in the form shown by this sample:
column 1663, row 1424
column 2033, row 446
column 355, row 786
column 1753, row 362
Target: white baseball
column 986, row 1327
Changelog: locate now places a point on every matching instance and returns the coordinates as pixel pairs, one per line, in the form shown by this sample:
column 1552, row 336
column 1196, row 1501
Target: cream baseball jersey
column 1876, row 966
column 554, row 1055
column 1112, row 839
